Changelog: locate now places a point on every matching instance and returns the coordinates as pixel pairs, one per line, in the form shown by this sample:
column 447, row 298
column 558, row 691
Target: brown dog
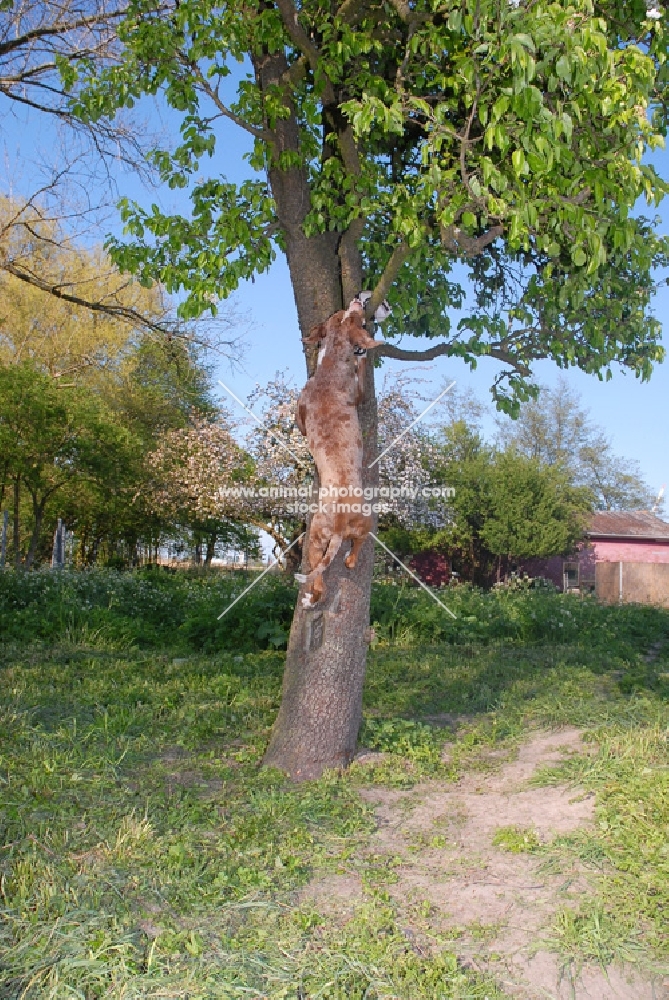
column 327, row 415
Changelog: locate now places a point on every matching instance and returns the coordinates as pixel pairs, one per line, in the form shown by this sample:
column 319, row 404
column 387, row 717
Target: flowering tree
column 409, row 460
column 283, row 465
column 192, row 469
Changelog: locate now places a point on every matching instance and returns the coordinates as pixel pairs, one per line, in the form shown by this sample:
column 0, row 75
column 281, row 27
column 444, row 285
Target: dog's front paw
column 308, row 601
column 301, row 577
column 350, row 561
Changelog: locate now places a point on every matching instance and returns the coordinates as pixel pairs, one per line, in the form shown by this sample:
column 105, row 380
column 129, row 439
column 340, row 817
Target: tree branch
column 386, row 281
column 56, row 29
column 259, row 133
column 296, row 72
column 390, row 351
column 446, row 350
column 350, row 10
column 125, row 313
column 297, row 34
column 452, row 238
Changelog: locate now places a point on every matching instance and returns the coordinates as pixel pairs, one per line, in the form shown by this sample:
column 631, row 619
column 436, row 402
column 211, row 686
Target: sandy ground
column 496, row 906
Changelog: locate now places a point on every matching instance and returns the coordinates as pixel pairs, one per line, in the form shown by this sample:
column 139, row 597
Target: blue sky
column 635, row 415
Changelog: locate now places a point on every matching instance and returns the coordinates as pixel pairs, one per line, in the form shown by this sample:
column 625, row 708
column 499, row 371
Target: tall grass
column 154, row 610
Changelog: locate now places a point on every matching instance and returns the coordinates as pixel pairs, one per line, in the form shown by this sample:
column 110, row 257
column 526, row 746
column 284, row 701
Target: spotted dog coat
column 327, row 414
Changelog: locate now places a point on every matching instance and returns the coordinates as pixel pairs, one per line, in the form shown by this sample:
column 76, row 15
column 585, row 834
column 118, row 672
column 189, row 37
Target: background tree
column 47, row 282
column 282, row 459
column 154, row 388
column 144, row 383
column 48, row 439
column 506, row 506
column 532, row 510
column 192, row 468
column 41, row 44
column 71, row 185
column 394, row 140
column 556, row 430
column 67, row 305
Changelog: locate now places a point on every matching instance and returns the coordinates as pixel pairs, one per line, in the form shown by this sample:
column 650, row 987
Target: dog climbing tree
column 392, row 141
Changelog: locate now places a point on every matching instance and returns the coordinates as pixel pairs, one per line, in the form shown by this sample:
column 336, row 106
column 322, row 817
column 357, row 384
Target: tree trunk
column 211, row 549
column 3, row 483
column 38, row 515
column 17, row 522
column 321, row 707
column 293, row 558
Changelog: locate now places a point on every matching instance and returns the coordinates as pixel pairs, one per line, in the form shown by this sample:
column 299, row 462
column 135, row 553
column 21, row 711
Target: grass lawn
column 145, row 853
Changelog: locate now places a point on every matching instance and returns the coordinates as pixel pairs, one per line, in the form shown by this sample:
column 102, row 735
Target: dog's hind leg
column 352, row 558
column 333, row 548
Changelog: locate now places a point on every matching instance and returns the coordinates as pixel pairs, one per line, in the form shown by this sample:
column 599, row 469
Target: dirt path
column 494, row 906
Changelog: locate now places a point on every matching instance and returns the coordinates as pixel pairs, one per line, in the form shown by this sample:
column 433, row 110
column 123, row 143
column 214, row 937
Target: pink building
column 623, row 558
column 629, row 553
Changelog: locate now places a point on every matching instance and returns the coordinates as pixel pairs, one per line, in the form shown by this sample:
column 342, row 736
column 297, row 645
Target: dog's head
column 345, row 328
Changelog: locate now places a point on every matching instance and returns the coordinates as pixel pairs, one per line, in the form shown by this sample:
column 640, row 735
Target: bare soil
column 492, row 907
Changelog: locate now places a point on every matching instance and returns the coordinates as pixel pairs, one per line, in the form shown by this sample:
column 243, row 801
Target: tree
column 532, row 509
column 465, row 462
column 282, row 461
column 48, row 439
column 193, row 467
column 146, row 384
column 154, row 388
column 85, row 309
column 58, row 330
column 395, row 139
column 556, row 430
column 44, row 45
column 506, row 506
column 41, row 44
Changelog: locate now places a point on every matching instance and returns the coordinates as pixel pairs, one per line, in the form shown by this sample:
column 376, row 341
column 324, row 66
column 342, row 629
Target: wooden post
column 3, row 543
column 58, row 557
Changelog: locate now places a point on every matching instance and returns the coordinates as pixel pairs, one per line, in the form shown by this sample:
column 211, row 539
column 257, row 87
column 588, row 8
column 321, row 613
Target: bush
column 149, row 610
column 405, row 615
column 181, row 610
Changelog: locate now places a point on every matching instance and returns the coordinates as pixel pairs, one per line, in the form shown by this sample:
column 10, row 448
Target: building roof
column 639, row 525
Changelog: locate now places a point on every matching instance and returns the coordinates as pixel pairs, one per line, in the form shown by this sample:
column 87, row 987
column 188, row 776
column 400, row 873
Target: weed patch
column 517, row 840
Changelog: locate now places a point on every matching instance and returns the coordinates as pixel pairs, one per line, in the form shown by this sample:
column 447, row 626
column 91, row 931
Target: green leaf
column 518, row 160
column 563, row 68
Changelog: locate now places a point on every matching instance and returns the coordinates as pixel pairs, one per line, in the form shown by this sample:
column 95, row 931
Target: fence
column 632, row 583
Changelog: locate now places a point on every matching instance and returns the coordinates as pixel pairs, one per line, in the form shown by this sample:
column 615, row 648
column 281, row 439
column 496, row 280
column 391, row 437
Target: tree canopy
column 497, row 142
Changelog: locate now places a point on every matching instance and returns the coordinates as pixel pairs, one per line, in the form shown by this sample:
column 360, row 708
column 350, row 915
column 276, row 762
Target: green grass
column 147, row 854
column 629, row 847
column 516, row 839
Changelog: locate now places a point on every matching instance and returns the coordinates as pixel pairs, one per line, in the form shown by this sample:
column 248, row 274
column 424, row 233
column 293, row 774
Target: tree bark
column 321, row 706
column 17, row 522
column 38, row 515
column 3, row 483
column 211, row 548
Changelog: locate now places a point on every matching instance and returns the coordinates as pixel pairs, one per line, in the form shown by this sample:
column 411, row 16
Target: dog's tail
column 333, row 548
